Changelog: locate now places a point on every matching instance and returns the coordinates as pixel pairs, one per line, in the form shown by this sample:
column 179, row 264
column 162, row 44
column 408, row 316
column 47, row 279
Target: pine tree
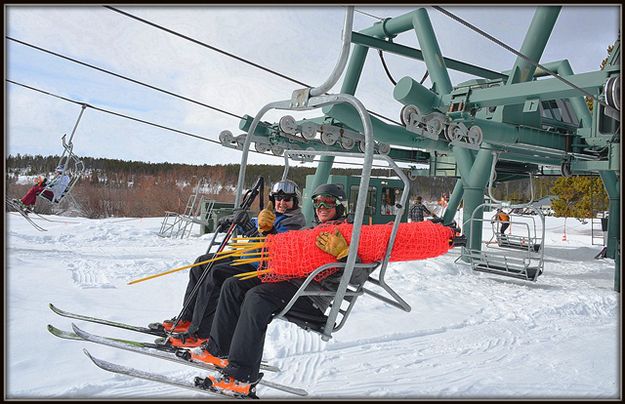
column 578, row 197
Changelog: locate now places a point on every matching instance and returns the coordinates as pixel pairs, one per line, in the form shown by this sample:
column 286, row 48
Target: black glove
column 239, row 217
column 248, row 229
column 436, row 219
column 458, row 241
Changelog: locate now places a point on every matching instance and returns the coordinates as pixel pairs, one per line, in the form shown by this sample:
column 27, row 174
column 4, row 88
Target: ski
column 19, row 210
column 139, row 347
column 147, row 349
column 107, row 341
column 144, row 330
column 123, row 370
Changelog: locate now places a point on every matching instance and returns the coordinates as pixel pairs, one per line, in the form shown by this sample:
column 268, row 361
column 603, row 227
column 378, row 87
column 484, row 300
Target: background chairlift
column 71, row 165
column 520, row 255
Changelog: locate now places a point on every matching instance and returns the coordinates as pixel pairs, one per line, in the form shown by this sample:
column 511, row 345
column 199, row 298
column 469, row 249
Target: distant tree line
column 111, row 187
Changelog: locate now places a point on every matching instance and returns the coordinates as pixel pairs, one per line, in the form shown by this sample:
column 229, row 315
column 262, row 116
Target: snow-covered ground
column 469, row 334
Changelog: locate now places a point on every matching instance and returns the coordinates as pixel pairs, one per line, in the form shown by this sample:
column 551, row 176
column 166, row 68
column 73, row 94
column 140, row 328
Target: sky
column 302, row 42
column 469, row 334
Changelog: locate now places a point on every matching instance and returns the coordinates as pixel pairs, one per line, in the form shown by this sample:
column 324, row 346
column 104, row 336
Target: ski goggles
column 328, row 202
column 285, row 187
column 285, row 198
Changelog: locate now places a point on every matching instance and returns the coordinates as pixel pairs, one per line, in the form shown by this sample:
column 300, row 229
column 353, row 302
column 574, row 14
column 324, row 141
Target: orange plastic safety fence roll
column 294, row 254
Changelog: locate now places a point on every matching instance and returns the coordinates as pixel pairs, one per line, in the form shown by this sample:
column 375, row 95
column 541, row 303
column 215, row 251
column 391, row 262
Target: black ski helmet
column 335, row 191
column 286, row 187
column 329, row 189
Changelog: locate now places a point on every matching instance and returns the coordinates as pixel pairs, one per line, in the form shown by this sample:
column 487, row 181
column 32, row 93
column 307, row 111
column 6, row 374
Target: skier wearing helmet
column 282, row 214
column 246, row 307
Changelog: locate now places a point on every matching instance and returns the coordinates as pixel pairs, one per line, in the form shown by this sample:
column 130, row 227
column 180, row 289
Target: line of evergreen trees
column 113, row 187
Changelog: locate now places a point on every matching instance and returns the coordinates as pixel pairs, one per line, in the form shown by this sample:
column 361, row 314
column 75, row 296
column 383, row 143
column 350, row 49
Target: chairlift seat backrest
column 65, row 182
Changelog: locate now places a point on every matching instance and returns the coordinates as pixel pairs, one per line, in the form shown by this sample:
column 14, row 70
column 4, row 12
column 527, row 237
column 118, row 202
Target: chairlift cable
column 369, row 15
column 170, row 31
column 151, row 123
column 188, row 38
column 113, row 112
column 519, row 54
column 122, row 77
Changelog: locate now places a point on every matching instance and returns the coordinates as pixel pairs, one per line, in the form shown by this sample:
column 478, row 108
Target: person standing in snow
column 282, row 214
column 246, row 307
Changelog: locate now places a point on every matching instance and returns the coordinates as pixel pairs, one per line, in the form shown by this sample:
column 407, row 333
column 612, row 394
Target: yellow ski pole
column 177, row 269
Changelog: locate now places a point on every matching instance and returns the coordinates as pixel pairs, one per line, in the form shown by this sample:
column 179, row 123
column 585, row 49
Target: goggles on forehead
column 283, row 187
column 328, row 202
column 281, row 197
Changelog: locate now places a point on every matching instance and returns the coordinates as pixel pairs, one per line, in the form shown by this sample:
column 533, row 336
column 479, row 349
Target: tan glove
column 334, row 244
column 266, row 217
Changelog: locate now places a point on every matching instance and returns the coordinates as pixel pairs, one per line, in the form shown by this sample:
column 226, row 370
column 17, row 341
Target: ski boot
column 201, row 354
column 228, row 386
column 182, row 340
column 166, row 326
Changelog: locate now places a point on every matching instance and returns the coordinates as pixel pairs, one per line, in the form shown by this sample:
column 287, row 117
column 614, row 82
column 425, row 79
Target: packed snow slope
column 469, row 334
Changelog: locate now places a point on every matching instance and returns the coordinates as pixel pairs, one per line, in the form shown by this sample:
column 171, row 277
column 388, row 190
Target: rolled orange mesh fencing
column 294, row 254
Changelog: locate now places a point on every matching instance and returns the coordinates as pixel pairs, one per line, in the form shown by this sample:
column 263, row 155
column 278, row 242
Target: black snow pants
column 203, row 304
column 244, row 311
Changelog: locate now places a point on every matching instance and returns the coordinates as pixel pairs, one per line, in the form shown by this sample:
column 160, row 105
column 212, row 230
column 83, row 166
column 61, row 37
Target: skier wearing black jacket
column 195, row 325
column 245, row 308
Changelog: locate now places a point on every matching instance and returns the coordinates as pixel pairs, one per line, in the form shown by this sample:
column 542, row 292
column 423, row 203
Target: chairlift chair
column 69, row 165
column 519, row 255
column 323, row 324
column 304, row 100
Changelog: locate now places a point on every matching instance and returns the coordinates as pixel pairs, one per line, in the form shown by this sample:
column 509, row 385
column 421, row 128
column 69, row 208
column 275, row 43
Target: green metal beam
column 353, row 72
column 413, row 53
column 454, row 201
column 441, row 83
column 583, row 165
column 611, row 184
column 563, row 68
column 526, row 158
column 534, row 43
column 546, row 89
